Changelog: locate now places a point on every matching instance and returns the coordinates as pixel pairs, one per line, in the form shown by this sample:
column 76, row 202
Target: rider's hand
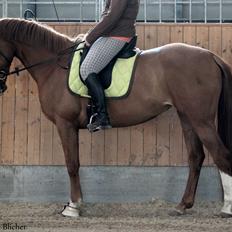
column 87, row 44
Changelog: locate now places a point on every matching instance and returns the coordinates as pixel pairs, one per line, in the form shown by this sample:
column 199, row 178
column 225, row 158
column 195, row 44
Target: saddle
column 129, row 50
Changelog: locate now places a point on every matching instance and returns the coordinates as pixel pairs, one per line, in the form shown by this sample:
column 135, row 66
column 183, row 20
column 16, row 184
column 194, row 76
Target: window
column 217, row 11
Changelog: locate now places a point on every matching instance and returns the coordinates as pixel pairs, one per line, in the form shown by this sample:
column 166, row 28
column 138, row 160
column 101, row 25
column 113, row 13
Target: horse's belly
column 137, row 113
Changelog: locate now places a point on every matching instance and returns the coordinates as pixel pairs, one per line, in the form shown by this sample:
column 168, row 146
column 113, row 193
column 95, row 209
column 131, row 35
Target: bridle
column 4, row 72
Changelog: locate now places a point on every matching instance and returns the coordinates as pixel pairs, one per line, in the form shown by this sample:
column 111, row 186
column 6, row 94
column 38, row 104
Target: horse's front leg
column 70, row 142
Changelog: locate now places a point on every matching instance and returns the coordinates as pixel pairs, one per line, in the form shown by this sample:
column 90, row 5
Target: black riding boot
column 97, row 93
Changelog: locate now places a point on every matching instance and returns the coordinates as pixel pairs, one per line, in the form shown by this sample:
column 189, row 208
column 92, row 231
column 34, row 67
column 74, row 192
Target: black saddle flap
column 129, row 49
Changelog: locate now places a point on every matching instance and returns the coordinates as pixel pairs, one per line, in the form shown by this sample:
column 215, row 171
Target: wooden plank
column 227, row 44
column 176, row 133
column 215, row 39
column 84, row 135
column 202, row 36
column 111, row 149
column 202, row 40
column 176, row 35
column 73, row 30
column 163, row 35
column 124, row 145
column 190, row 34
column 85, row 147
column 176, row 139
column 99, row 151
column 150, row 37
column 21, row 114
column 150, row 143
column 150, row 128
column 57, row 150
column 58, row 28
column 85, row 138
column 189, row 38
column 85, row 28
column 98, row 148
column 215, row 45
column 70, row 30
column 136, row 154
column 140, row 39
column 34, row 120
column 8, row 123
column 46, row 141
column 163, row 141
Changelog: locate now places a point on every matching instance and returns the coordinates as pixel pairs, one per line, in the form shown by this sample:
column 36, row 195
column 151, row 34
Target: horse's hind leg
column 199, row 133
column 196, row 158
column 208, row 135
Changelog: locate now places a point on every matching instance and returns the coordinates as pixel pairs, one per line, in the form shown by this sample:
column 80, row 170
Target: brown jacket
column 118, row 19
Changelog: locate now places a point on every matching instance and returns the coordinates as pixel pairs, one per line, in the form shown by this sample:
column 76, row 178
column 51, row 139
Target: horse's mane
column 35, row 34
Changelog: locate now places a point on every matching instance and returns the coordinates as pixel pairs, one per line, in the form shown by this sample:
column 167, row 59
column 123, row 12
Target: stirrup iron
column 91, row 120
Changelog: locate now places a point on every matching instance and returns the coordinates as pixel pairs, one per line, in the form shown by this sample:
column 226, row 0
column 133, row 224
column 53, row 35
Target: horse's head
column 6, row 56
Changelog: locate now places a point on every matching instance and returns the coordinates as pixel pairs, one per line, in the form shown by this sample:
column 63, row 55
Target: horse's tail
column 225, row 104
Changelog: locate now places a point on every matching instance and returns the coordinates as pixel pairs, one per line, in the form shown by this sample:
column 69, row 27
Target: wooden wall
column 28, row 138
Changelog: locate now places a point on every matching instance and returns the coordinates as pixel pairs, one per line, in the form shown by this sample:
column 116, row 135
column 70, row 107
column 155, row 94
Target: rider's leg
column 100, row 54
column 97, row 93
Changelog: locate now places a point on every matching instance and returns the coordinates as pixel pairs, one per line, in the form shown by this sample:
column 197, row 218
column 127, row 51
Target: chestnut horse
column 193, row 80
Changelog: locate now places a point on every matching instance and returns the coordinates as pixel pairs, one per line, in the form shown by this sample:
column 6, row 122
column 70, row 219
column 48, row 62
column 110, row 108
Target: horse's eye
column 2, row 75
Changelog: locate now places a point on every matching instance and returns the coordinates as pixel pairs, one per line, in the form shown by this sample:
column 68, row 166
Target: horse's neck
column 30, row 56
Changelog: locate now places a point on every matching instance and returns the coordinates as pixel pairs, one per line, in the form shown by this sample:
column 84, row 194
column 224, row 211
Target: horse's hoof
column 70, row 210
column 176, row 212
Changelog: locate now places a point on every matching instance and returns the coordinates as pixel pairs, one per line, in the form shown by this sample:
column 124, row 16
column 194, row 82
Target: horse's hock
column 138, row 163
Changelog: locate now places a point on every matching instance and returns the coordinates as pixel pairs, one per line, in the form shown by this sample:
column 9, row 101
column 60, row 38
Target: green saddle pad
column 121, row 76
